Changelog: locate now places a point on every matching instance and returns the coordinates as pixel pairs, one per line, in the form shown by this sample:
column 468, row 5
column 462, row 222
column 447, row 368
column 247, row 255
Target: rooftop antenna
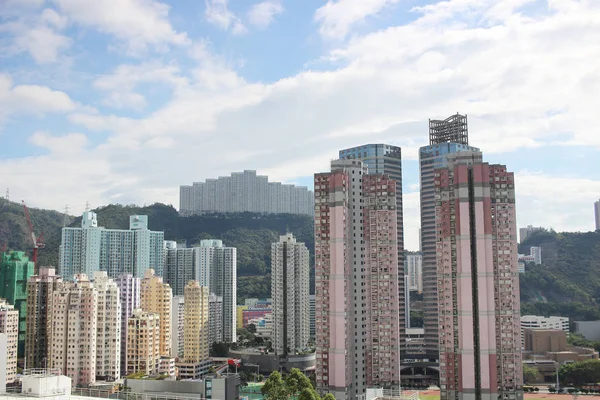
column 7, row 194
column 66, row 219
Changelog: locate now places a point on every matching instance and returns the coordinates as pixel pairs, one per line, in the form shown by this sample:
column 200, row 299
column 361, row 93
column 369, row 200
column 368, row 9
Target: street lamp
column 557, row 365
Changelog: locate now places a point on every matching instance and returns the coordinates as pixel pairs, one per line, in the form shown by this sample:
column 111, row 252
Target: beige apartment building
column 9, row 326
column 108, row 339
column 143, row 342
column 195, row 325
column 72, row 330
column 156, row 297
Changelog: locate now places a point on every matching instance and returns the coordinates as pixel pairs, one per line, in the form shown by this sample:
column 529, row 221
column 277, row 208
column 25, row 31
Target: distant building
column 524, row 233
column 535, row 256
column 311, row 308
column 264, row 326
column 597, row 214
column 537, row 322
column 179, row 268
column 196, row 331
column 253, row 313
column 244, row 192
column 108, row 338
column 177, row 321
column 39, row 295
column 217, row 269
column 240, row 316
column 15, row 270
column 215, row 309
column 156, row 297
column 589, row 329
column 9, row 328
column 129, row 291
column 143, row 348
column 414, row 269
column 552, row 345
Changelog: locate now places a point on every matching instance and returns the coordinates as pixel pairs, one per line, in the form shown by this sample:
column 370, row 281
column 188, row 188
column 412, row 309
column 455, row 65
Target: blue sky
column 124, row 100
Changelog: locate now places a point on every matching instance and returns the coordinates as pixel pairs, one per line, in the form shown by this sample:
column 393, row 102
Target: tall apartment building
column 414, row 270
column 524, row 233
column 597, row 214
column 143, row 347
column 478, row 280
column 195, row 326
column 289, row 289
column 244, row 191
column 9, row 326
column 156, row 297
column 311, row 312
column 129, row 292
column 73, row 330
column 216, row 268
column 446, row 137
column 39, row 297
column 344, row 205
column 15, row 270
column 108, row 338
column 215, row 317
column 179, row 268
column 93, row 248
column 386, row 159
column 177, row 323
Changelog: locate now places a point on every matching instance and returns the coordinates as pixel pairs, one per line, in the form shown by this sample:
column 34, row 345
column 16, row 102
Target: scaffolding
column 451, row 130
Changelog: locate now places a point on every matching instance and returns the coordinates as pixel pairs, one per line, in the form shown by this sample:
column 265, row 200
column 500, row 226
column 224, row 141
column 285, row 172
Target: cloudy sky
column 121, row 101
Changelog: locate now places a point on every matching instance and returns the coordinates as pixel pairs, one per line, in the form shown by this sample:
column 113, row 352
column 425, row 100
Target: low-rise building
column 9, row 328
column 540, row 322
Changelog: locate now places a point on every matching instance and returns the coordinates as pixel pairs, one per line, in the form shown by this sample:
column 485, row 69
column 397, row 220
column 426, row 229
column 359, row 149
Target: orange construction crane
column 38, row 242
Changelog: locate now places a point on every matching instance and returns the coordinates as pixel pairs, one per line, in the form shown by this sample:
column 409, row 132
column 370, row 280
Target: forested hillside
column 252, row 234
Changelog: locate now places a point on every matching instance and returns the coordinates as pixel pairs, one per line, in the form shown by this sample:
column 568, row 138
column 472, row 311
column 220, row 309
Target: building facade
column 40, row 289
column 244, row 192
column 15, row 270
column 195, row 326
column 537, row 322
column 129, row 292
column 73, row 330
column 143, row 347
column 108, row 339
column 93, row 248
column 9, row 326
column 446, row 137
column 289, row 290
column 177, row 322
column 342, row 308
column 156, row 297
column 597, row 214
column 524, row 233
column 414, row 270
column 179, row 268
column 217, row 269
column 478, row 281
column 534, row 256
column 215, row 326
column 311, row 312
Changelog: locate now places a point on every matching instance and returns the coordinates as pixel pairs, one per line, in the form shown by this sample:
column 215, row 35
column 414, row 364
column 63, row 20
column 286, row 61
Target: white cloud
column 43, row 43
column 217, row 13
column 262, row 14
column 337, row 17
column 72, row 142
column 139, row 24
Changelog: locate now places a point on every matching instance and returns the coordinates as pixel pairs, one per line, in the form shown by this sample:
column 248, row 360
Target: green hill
column 252, row 234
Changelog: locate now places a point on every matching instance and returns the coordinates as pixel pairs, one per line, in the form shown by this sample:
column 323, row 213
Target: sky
column 122, row 101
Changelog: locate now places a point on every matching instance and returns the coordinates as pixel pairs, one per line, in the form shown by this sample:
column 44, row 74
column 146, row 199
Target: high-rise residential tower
column 129, row 291
column 108, row 338
column 177, row 322
column 446, row 137
column 414, row 270
column 9, row 326
column 73, row 330
column 156, row 297
column 15, row 270
column 195, row 324
column 179, row 268
column 93, row 248
column 215, row 317
column 344, row 280
column 216, row 268
column 597, row 214
column 478, row 280
column 289, row 290
column 40, row 289
column 143, row 347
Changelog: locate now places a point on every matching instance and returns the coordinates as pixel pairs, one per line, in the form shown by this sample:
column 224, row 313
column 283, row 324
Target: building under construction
column 451, row 130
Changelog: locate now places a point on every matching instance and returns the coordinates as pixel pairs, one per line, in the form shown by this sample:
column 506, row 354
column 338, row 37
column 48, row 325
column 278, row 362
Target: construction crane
column 38, row 242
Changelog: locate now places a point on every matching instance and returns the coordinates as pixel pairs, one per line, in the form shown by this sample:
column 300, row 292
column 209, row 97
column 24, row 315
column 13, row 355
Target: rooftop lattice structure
column 451, row 130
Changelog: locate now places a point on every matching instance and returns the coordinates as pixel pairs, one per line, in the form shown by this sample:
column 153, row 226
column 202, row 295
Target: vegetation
column 295, row 384
column 580, row 373
column 530, row 374
column 416, row 318
column 576, row 339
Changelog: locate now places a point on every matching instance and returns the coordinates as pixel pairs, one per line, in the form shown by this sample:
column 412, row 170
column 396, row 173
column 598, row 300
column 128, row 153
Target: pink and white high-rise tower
column 478, row 281
column 356, row 281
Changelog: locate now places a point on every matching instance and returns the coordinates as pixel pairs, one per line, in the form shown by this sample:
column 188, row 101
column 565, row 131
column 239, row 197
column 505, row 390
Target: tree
column 580, row 373
column 296, row 382
column 530, row 374
column 274, row 387
column 309, row 394
column 328, row 396
column 219, row 349
column 251, row 328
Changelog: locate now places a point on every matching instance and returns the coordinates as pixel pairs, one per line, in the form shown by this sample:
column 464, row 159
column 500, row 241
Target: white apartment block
column 535, row 256
column 129, row 292
column 217, row 269
column 244, row 191
column 540, row 322
column 177, row 321
column 215, row 317
column 414, row 266
column 73, row 330
column 108, row 339
column 143, row 347
column 93, row 248
column 9, row 328
column 290, row 290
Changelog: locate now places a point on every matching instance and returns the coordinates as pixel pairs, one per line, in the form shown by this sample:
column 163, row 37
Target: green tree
column 296, row 382
column 530, row 374
column 580, row 373
column 308, row 394
column 274, row 387
column 328, row 396
column 219, row 349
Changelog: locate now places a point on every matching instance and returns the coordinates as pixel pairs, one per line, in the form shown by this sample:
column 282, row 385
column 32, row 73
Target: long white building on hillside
column 244, row 191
